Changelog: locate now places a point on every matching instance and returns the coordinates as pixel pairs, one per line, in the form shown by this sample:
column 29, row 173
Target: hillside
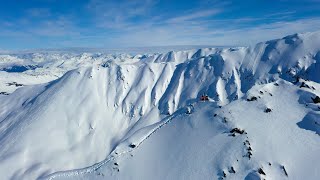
column 141, row 117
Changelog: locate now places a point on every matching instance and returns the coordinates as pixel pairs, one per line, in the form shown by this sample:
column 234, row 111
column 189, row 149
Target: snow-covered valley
column 212, row 113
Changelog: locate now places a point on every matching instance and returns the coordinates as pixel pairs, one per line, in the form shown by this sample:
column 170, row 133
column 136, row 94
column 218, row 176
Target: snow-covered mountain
column 102, row 116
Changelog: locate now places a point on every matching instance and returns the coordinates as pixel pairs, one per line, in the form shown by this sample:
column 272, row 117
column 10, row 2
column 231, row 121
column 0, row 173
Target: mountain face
column 100, row 116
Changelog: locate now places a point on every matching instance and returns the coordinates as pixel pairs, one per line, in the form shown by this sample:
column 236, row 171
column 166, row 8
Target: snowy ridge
column 90, row 108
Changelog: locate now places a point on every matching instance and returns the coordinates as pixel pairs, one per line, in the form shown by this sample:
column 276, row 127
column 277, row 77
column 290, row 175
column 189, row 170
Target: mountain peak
column 144, row 116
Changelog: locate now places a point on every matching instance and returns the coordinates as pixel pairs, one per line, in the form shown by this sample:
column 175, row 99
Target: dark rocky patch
column 246, row 142
column 225, row 120
column 14, row 84
column 284, row 170
column 231, row 170
column 260, row 171
column 4, row 93
column 224, row 174
column 253, row 98
column 316, row 100
column 132, row 145
column 249, row 149
column 249, row 154
column 304, row 85
column 237, row 130
column 267, row 110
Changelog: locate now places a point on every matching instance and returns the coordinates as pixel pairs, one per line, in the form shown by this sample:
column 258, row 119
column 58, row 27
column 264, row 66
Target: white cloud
column 195, row 15
column 60, row 26
column 135, row 23
column 115, row 15
column 202, row 34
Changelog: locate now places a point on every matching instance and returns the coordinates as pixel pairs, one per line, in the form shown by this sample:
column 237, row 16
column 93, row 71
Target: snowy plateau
column 212, row 113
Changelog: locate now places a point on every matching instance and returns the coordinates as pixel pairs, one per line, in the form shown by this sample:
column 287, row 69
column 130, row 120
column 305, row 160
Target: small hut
column 204, row 98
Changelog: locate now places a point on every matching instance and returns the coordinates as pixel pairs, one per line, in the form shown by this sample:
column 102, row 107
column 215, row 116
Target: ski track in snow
column 112, row 157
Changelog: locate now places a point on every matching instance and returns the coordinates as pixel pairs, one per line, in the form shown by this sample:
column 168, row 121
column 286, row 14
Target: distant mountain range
column 203, row 113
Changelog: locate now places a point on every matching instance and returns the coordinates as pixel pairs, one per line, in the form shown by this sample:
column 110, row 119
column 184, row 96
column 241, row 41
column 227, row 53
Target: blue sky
column 34, row 24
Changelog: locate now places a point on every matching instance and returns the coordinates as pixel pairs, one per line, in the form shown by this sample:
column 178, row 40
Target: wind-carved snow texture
column 100, row 116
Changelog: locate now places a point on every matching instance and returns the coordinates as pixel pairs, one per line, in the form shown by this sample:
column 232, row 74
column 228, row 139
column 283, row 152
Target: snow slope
column 124, row 117
column 200, row 145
